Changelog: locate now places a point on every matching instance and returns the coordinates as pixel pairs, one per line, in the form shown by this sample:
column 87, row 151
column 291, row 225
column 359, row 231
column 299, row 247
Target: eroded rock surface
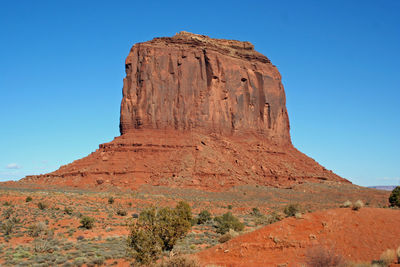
column 191, row 81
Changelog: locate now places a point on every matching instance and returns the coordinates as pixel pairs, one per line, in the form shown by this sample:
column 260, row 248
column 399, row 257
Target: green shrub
column 121, row 212
column 256, row 212
column 41, row 245
column 275, row 217
column 158, row 230
column 173, row 224
column 87, row 222
column 267, row 219
column 42, row 205
column 68, row 210
column 291, row 210
column 97, row 261
column 8, row 212
column 144, row 241
column 28, row 199
column 227, row 221
column 7, row 227
column 377, row 263
column 394, row 198
column 184, row 211
column 111, row 200
column 203, row 217
column 41, row 230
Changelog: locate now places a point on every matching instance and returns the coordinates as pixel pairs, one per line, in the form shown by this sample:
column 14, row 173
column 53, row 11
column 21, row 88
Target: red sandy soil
column 359, row 236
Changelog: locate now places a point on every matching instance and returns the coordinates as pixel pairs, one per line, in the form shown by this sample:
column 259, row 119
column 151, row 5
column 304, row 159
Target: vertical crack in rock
column 209, row 70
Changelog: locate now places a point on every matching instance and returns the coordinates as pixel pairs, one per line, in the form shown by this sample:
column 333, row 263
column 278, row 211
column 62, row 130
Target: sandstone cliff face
column 193, row 82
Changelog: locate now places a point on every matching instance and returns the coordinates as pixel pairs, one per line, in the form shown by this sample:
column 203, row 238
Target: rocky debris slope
column 196, row 112
column 198, row 160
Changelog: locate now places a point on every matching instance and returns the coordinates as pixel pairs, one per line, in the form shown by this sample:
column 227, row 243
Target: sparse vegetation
column 7, row 227
column 7, row 213
column 58, row 241
column 121, row 212
column 68, row 210
column 111, row 200
column 180, row 261
column 203, row 217
column 291, row 210
column 394, row 198
column 42, row 205
column 261, row 219
column 28, row 199
column 228, row 221
column 255, row 212
column 87, row 222
column 38, row 229
column 228, row 236
column 388, row 256
column 158, row 230
column 322, row 257
column 346, row 204
column 358, row 205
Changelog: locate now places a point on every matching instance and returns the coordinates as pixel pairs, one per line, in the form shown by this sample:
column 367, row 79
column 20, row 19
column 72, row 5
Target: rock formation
column 191, row 81
column 196, row 112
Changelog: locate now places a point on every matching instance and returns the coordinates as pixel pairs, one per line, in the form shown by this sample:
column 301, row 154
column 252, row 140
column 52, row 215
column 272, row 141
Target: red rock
column 193, row 82
column 196, row 112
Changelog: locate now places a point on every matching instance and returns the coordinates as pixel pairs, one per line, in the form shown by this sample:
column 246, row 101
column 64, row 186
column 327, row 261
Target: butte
column 196, row 112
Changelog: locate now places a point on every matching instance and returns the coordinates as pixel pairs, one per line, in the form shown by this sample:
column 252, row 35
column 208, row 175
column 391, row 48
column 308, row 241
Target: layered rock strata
column 191, row 81
column 196, row 112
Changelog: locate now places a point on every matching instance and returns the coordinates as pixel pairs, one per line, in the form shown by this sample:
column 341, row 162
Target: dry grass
column 346, row 204
column 398, row 254
column 388, row 256
column 319, row 256
column 358, row 205
column 180, row 261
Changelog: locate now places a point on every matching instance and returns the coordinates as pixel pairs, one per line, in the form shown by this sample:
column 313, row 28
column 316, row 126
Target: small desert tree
column 394, row 198
column 158, row 230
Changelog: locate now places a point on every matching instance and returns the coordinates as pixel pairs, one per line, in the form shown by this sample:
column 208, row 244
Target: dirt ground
column 65, row 243
column 358, row 236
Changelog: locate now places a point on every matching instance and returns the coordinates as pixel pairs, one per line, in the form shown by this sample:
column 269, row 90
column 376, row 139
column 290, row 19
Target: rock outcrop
column 196, row 112
column 191, row 81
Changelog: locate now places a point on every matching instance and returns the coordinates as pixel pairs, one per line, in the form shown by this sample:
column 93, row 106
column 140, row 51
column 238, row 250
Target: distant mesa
column 196, row 112
column 383, row 187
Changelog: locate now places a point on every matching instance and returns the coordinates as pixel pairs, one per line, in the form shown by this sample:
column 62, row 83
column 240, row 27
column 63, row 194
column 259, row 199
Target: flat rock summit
column 196, row 112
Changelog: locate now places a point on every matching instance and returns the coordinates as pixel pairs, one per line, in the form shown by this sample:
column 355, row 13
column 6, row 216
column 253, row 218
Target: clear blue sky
column 62, row 65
